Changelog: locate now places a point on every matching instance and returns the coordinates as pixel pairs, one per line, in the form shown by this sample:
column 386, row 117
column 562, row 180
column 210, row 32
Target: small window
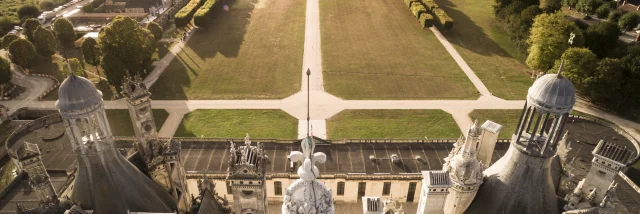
column 340, row 188
column 229, row 188
column 386, row 190
column 277, row 188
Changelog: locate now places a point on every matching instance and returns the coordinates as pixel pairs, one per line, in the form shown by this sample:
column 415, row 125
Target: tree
column 615, row 15
column 5, row 72
column 155, row 30
column 91, row 53
column 607, row 81
column 7, row 39
column 44, row 42
column 28, row 11
column 600, row 37
column 46, row 5
column 129, row 45
column 570, row 3
column 588, row 6
column 551, row 6
column 628, row 21
column 603, row 11
column 519, row 25
column 579, row 67
column 75, row 66
column 549, row 39
column 64, row 31
column 29, row 26
column 22, row 53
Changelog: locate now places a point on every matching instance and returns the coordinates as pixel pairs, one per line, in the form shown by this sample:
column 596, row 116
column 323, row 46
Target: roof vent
column 395, row 159
column 372, row 158
column 418, row 157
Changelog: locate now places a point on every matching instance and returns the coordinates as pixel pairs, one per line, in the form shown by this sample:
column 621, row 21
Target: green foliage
column 519, row 25
column 418, row 10
column 155, row 30
column 64, row 31
column 615, row 15
column 607, row 81
column 7, row 23
column 430, row 5
column 7, row 39
column 551, row 6
column 28, row 11
column 205, row 12
column 184, row 15
column 46, row 5
column 22, row 53
column 29, row 26
column 570, row 3
column 628, row 21
column 588, row 6
column 90, row 51
column 442, row 19
column 44, row 41
column 409, row 2
column 579, row 67
column 549, row 39
column 505, row 8
column 75, row 66
column 5, row 71
column 127, row 47
column 599, row 37
column 603, row 11
column 426, row 20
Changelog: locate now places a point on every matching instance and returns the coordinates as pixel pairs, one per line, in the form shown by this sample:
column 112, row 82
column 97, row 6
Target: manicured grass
column 486, row 47
column 508, row 118
column 250, row 52
column 224, row 123
column 378, row 50
column 399, row 124
column 120, row 121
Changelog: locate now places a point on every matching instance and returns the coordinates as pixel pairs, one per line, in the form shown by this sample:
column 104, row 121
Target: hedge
column 184, row 16
column 443, row 20
column 417, row 10
column 426, row 20
column 430, row 5
column 205, row 12
column 409, row 2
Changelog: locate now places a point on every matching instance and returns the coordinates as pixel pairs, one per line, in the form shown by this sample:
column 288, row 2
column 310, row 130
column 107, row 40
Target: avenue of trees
column 603, row 69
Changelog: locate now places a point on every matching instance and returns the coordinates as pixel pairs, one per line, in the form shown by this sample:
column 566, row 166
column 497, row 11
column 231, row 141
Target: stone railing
column 6, row 95
column 27, row 128
column 55, row 85
column 629, row 181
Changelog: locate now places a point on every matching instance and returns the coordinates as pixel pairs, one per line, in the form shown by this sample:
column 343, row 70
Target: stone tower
column 465, row 172
column 608, row 159
column 488, row 139
column 166, row 169
column 105, row 181
column 433, row 195
column 138, row 100
column 520, row 182
column 246, row 174
column 29, row 158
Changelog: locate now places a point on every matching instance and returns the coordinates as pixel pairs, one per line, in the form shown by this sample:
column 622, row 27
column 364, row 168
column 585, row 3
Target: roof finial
column 560, row 69
column 308, row 101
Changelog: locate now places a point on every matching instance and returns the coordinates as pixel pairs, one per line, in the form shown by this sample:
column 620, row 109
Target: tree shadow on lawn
column 466, row 34
column 225, row 33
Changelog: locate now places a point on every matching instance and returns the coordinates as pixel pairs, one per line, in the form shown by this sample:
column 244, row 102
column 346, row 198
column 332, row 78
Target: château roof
column 77, row 93
column 553, row 93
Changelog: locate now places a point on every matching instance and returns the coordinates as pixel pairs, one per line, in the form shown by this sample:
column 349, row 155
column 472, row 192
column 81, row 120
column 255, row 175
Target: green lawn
column 250, row 52
column 399, row 124
column 378, row 50
column 224, row 123
column 120, row 121
column 486, row 47
column 508, row 118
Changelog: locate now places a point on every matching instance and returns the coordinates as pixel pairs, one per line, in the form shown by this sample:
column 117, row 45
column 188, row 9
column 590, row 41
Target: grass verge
column 224, row 123
column 120, row 121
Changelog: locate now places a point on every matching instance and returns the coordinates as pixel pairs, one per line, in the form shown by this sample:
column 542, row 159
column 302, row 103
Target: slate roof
column 553, row 92
column 77, row 93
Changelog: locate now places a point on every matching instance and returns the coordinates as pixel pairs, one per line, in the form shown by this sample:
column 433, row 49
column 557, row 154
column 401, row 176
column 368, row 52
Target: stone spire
column 246, row 175
column 307, row 195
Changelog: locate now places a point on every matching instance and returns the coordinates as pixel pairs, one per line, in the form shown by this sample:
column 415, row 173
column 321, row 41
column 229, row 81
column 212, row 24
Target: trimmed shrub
column 205, row 12
column 426, row 20
column 603, row 11
column 409, row 2
column 442, row 19
column 430, row 5
column 184, row 16
column 417, row 10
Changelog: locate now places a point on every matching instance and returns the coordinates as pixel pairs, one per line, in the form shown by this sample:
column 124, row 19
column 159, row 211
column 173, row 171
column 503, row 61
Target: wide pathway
column 34, row 87
column 166, row 60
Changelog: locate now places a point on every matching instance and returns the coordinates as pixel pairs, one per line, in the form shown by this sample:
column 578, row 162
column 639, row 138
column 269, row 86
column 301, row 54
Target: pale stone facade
column 247, row 178
column 434, row 192
column 29, row 157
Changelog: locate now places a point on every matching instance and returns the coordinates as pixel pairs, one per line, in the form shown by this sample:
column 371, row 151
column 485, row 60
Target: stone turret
column 520, row 182
column 105, row 181
column 465, row 173
column 139, row 103
column 434, row 192
column 246, row 174
column 31, row 162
